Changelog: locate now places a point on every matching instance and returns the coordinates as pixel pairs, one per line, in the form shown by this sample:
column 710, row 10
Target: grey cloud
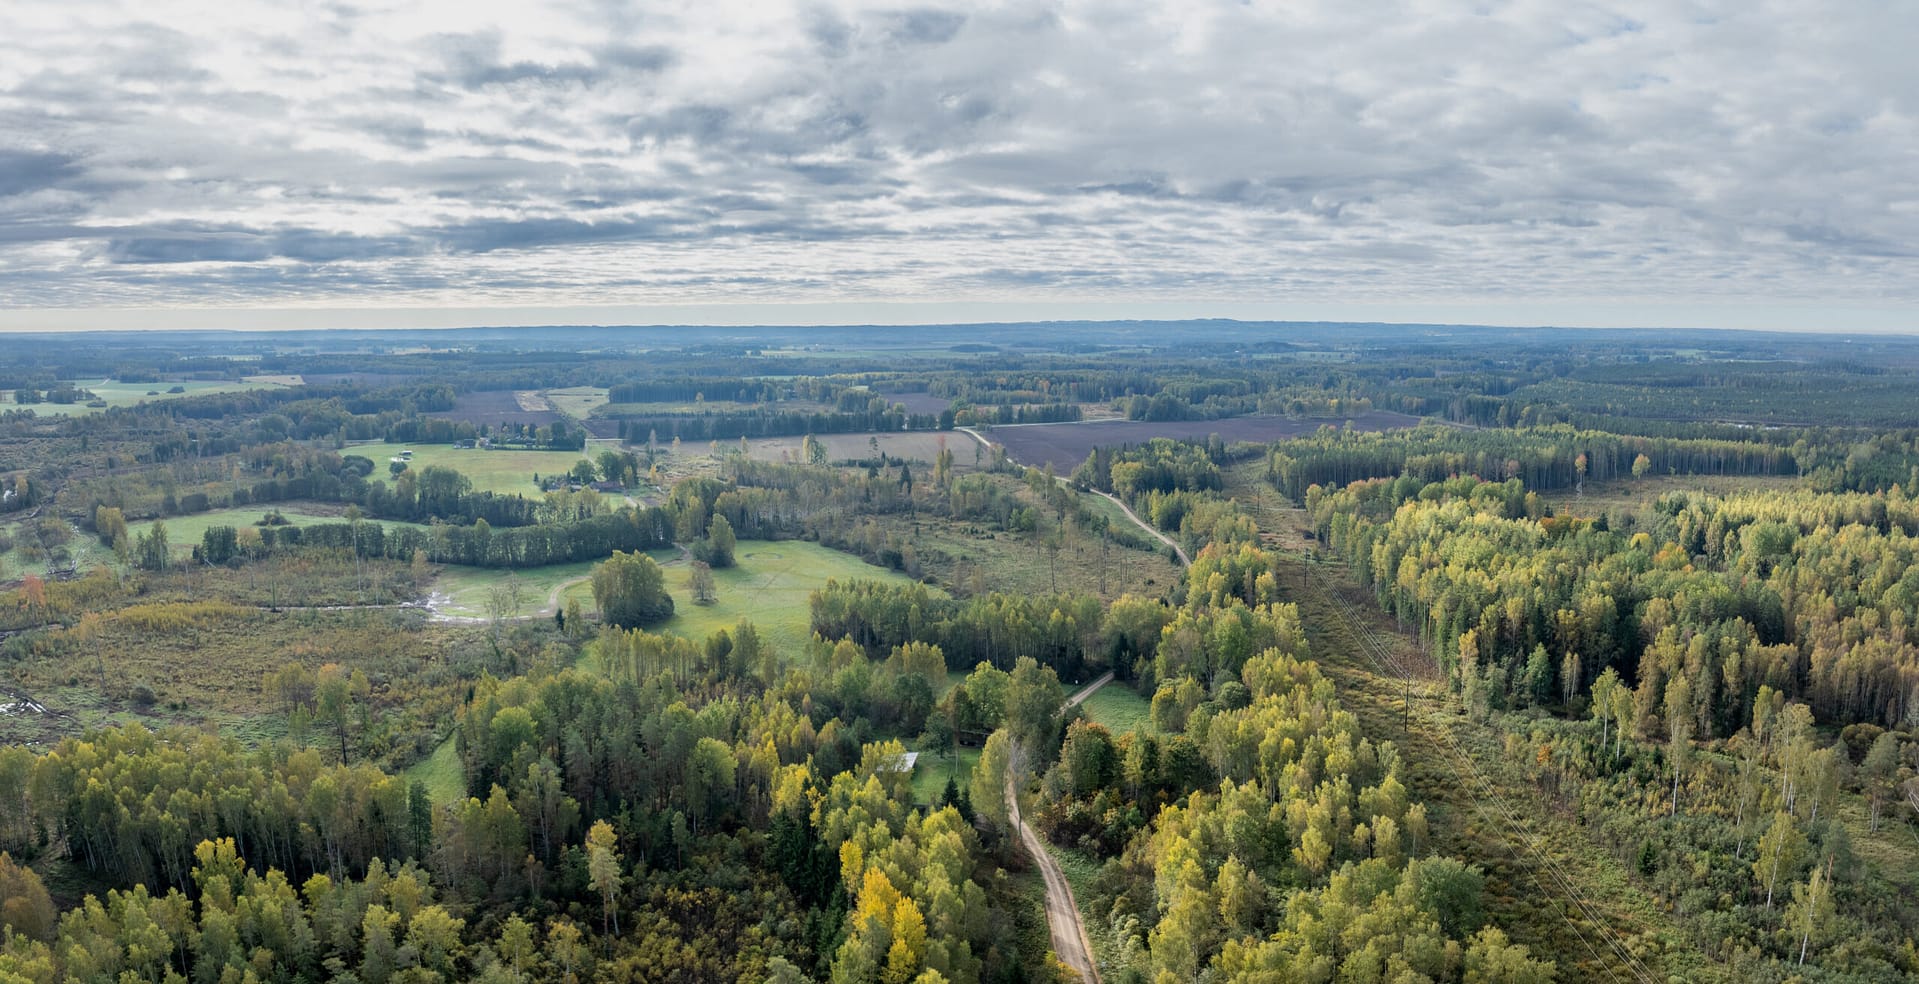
column 193, row 243
column 23, row 171
column 927, row 26
column 1139, row 150
column 474, row 62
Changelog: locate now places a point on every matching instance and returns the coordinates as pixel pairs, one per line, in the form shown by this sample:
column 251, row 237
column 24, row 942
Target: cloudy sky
column 1749, row 163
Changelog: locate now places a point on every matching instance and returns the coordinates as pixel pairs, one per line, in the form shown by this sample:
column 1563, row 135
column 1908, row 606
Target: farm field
column 919, row 402
column 1066, row 446
column 576, row 401
column 185, row 532
column 508, row 472
column 1120, row 708
column 771, row 586
column 496, row 407
column 917, row 446
column 117, row 394
column 687, row 407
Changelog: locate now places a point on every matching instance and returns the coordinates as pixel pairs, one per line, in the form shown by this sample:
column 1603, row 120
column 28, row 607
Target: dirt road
column 1184, row 561
column 1062, row 912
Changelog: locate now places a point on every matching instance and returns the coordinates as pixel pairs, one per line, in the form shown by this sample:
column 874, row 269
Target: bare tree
column 504, row 600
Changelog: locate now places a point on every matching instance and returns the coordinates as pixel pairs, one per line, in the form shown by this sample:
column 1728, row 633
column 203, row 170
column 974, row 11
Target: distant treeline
column 479, row 545
column 1543, row 458
column 728, row 426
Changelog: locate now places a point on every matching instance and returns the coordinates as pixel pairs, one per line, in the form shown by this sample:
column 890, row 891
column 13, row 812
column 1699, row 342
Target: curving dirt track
column 1062, row 912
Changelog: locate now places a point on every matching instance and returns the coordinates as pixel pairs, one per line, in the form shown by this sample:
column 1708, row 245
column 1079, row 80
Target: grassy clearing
column 970, row 556
column 441, row 772
column 771, row 586
column 916, row 446
column 1638, row 493
column 929, row 779
column 466, row 591
column 203, row 667
column 117, row 394
column 1120, row 709
column 505, row 472
column 576, row 401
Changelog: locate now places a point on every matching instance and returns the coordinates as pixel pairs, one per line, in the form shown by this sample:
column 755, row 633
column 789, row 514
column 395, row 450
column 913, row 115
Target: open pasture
column 498, row 407
column 502, row 471
column 467, row 592
column 117, row 394
column 576, row 401
column 1120, row 709
column 916, row 446
column 771, row 586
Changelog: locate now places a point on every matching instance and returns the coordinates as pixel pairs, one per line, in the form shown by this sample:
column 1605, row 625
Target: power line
column 1386, row 663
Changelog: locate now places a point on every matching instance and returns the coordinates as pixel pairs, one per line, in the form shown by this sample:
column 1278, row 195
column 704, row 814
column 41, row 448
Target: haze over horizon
column 440, row 164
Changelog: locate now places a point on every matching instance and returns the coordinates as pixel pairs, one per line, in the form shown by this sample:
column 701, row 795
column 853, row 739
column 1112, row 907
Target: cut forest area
column 1537, row 866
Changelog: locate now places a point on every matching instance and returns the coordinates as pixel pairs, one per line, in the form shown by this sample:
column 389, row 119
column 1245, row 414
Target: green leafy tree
column 152, row 551
column 1492, row 959
column 988, row 785
column 1811, row 914
column 603, row 872
column 1879, row 772
column 630, row 590
column 1602, row 708
column 1679, row 732
column 1780, row 851
column 719, row 542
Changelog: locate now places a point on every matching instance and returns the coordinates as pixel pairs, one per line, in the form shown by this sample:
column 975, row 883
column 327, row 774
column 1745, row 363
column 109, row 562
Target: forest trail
column 1184, row 561
column 553, row 596
column 1090, row 689
column 1062, row 913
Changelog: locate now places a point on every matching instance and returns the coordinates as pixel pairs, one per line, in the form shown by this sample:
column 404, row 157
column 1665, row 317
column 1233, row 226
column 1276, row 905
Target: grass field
column 204, row 669
column 508, row 472
column 771, row 586
column 1120, row 709
column 576, row 401
column 185, row 532
column 464, row 591
column 444, row 776
column 959, row 553
column 912, row 446
column 1638, row 493
column 117, row 394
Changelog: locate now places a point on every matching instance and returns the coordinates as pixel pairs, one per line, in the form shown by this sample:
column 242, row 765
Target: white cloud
column 1531, row 154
